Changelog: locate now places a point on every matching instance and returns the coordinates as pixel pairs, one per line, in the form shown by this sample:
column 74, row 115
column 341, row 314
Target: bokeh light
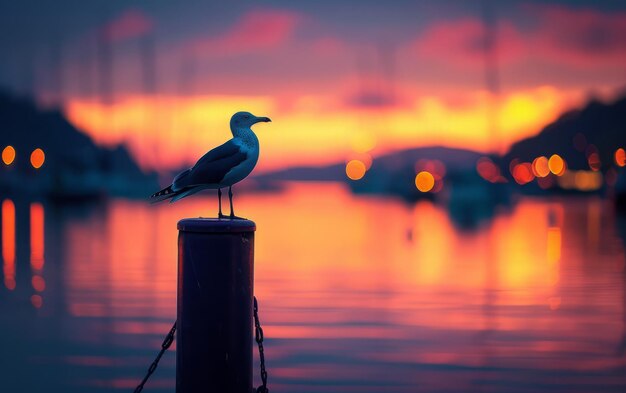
column 620, row 157
column 557, row 165
column 487, row 169
column 588, row 180
column 8, row 155
column 523, row 173
column 37, row 158
column 540, row 167
column 424, row 181
column 594, row 161
column 355, row 169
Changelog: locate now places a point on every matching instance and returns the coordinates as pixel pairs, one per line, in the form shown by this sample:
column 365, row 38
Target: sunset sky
column 338, row 78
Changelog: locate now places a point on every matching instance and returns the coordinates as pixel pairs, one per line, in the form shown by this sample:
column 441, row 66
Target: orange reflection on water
column 36, row 236
column 8, row 243
column 554, row 253
column 38, row 283
column 371, row 280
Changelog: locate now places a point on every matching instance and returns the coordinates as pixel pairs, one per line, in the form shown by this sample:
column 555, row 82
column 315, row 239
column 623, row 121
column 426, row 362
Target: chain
column 258, row 336
column 164, row 346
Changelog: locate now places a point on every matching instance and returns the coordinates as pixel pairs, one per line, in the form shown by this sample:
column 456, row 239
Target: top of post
column 214, row 225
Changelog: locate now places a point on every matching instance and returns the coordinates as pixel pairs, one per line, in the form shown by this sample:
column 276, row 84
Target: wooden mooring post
column 215, row 306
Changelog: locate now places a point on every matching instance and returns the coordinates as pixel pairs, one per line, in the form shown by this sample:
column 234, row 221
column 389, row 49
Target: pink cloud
column 130, row 24
column 583, row 36
column 256, row 30
column 560, row 35
column 328, row 46
column 463, row 42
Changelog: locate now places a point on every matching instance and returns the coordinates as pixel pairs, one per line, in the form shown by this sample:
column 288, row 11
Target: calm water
column 357, row 294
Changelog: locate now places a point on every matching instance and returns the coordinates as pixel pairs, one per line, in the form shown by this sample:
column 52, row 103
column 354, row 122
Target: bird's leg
column 232, row 210
column 219, row 200
column 230, row 198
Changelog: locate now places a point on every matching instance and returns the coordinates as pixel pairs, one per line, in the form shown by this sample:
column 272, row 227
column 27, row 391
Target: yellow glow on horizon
column 171, row 131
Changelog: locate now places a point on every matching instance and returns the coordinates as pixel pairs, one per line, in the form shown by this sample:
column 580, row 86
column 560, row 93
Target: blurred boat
column 471, row 200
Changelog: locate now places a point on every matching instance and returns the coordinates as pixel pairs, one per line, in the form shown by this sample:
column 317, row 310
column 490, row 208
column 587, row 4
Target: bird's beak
column 263, row 119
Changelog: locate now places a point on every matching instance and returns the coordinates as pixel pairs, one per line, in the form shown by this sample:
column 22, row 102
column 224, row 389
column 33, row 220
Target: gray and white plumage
column 221, row 167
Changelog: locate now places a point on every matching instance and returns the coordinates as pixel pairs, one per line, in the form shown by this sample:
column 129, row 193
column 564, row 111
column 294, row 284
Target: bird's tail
column 162, row 195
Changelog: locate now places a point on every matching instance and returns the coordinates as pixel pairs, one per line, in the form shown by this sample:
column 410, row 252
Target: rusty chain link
column 164, row 346
column 258, row 336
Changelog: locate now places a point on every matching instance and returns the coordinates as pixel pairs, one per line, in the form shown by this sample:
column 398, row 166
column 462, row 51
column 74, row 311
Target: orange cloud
column 256, row 30
column 132, row 23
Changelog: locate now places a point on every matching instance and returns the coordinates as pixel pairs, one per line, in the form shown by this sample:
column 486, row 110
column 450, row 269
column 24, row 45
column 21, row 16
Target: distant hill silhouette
column 391, row 173
column 452, row 158
column 598, row 127
column 74, row 163
column 575, row 133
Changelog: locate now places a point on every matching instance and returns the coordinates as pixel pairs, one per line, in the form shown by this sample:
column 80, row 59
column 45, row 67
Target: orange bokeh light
column 355, row 169
column 620, row 157
column 587, row 180
column 424, row 181
column 557, row 165
column 8, row 155
column 37, row 158
column 540, row 167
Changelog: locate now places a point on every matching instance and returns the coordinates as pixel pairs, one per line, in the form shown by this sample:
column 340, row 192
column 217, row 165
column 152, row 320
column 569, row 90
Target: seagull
column 221, row 167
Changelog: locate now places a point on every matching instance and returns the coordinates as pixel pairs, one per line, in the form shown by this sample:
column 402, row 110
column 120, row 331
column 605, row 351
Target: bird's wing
column 212, row 167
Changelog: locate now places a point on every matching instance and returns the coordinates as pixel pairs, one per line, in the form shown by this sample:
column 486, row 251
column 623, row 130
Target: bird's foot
column 234, row 217
column 220, row 216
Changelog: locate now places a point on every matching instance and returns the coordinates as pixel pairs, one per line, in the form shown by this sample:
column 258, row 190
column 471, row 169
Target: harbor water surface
column 357, row 294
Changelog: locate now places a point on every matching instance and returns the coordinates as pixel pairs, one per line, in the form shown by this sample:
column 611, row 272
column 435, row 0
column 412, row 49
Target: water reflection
column 531, row 301
column 36, row 236
column 37, row 253
column 8, row 243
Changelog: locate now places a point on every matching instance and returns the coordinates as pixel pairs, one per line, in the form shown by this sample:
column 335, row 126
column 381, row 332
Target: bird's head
column 245, row 120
